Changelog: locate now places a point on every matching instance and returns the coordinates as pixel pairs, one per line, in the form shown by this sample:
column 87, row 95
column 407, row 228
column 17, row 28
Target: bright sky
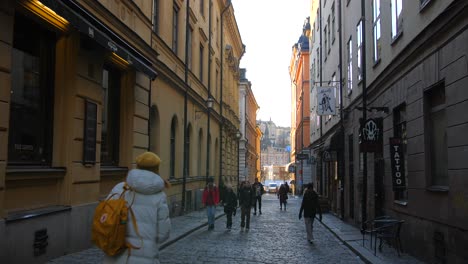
column 269, row 29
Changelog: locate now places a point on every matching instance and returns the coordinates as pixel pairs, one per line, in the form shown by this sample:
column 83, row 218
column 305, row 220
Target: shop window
column 399, row 131
column 199, row 153
column 110, row 134
column 351, row 175
column 436, row 126
column 32, row 88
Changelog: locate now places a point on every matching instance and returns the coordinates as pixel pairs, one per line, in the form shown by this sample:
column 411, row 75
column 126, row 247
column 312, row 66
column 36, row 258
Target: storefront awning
column 334, row 141
column 92, row 27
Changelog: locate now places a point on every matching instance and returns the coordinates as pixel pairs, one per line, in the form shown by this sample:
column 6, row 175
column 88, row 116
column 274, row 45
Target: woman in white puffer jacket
column 150, row 209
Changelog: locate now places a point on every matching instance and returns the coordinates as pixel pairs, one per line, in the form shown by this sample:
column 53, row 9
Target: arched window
column 173, row 147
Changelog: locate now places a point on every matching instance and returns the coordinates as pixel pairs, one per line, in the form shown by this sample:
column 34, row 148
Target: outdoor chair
column 370, row 226
column 390, row 232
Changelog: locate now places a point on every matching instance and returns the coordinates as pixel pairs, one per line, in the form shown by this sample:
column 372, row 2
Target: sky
column 269, row 29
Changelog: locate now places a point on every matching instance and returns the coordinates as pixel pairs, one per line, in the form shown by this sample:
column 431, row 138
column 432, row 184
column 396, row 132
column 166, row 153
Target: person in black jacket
column 246, row 202
column 230, row 205
column 310, row 206
column 259, row 191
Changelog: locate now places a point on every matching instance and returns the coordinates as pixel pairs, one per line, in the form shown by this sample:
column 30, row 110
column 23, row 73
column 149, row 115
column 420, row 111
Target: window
column 435, row 118
column 172, row 150
column 359, row 49
column 376, row 29
column 31, row 102
column 326, row 42
column 350, row 66
column 189, row 42
column 396, row 7
column 423, row 3
column 217, row 31
column 110, row 116
column 199, row 154
column 333, row 29
column 217, row 83
column 329, row 34
column 202, row 7
column 201, row 61
column 175, row 28
column 399, row 131
column 156, row 16
column 318, row 62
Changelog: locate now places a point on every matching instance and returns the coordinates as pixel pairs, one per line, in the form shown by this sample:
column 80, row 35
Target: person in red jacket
column 210, row 199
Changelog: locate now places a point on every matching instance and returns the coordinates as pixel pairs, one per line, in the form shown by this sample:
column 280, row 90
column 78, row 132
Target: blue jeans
column 210, row 211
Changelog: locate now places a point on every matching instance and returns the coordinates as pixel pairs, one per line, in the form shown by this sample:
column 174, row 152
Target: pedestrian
column 210, row 199
column 283, row 195
column 310, row 206
column 230, row 205
column 259, row 191
column 150, row 212
column 246, row 201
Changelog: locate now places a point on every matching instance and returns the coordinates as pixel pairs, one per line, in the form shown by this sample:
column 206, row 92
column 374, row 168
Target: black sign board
column 397, row 163
column 89, row 135
column 302, row 156
column 370, row 135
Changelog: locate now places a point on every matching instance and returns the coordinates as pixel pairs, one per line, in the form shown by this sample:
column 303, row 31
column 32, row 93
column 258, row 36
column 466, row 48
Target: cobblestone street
column 274, row 237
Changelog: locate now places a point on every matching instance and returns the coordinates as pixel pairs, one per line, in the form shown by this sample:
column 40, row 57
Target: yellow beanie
column 148, row 160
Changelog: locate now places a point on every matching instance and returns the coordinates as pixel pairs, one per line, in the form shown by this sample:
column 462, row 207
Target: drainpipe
column 209, row 96
column 320, row 168
column 185, row 167
column 221, row 94
column 364, row 113
column 342, row 161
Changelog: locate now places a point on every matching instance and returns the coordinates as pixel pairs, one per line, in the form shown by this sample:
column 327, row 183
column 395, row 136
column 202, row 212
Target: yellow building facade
column 85, row 87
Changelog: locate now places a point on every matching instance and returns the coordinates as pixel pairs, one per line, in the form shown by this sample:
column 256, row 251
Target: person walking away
column 259, row 191
column 210, row 199
column 150, row 212
column 283, row 195
column 230, row 205
column 246, row 201
column 310, row 206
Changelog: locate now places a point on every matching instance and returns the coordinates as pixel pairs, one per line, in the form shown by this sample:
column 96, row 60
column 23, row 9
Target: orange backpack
column 110, row 224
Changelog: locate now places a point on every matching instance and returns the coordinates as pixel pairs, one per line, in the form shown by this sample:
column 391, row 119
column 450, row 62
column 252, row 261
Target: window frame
column 45, row 74
column 376, row 24
column 359, row 51
column 350, row 65
column 175, row 28
column 113, row 159
column 396, row 19
column 156, row 16
column 431, row 162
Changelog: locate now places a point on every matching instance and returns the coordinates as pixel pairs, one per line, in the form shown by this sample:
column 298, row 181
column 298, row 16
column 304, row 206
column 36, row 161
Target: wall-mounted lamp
column 209, row 105
column 238, row 134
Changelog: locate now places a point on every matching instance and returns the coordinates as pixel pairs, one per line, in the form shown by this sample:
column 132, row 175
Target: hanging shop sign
column 326, row 101
column 370, row 135
column 397, row 164
column 302, row 156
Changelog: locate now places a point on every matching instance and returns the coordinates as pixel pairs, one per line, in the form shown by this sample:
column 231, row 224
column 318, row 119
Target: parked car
column 272, row 187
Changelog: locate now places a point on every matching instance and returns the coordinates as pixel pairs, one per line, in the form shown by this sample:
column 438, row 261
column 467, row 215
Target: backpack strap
column 135, row 226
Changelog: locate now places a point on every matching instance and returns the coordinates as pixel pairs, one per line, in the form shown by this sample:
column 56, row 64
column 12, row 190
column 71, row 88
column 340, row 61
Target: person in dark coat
column 283, row 195
column 230, row 205
column 310, row 206
column 259, row 191
column 246, row 202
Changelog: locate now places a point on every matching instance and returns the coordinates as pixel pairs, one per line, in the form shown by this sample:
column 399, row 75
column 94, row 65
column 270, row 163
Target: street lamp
column 209, row 106
column 238, row 136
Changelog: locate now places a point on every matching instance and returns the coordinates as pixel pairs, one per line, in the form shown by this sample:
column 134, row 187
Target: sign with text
column 397, row 164
column 326, row 102
column 302, row 156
